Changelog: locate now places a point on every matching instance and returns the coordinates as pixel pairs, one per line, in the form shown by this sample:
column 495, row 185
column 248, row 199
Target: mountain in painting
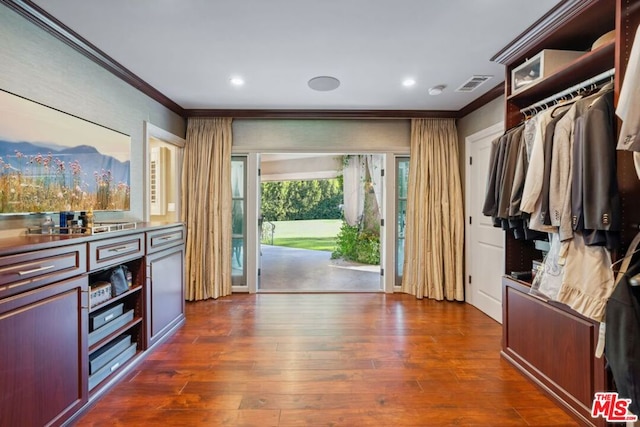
column 90, row 160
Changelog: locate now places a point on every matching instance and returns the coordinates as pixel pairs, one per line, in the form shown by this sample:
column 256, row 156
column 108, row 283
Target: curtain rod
column 593, row 80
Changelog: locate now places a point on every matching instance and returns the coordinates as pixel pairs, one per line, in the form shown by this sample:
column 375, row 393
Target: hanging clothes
column 535, row 173
column 512, row 146
column 553, row 178
column 595, row 197
column 587, row 281
column 507, row 169
column 519, row 176
column 628, row 108
column 560, row 174
column 602, row 210
column 490, row 206
column 540, row 216
column 622, row 337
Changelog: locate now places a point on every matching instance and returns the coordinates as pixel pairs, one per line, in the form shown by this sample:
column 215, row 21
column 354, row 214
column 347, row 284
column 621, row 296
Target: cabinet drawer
column 108, row 252
column 22, row 272
column 166, row 238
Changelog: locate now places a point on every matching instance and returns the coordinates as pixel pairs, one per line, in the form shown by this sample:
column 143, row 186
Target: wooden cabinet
column 108, row 252
column 550, row 343
column 59, row 351
column 43, row 377
column 165, row 281
column 24, row 271
column 168, row 237
column 554, row 346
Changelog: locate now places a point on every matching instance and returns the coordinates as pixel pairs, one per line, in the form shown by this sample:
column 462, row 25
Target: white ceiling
column 189, row 49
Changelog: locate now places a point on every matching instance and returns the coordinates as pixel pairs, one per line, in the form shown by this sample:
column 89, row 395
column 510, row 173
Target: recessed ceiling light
column 236, row 81
column 324, row 83
column 408, row 82
column 436, row 90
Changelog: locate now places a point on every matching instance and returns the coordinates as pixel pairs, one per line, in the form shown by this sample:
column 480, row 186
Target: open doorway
column 320, row 223
column 164, row 170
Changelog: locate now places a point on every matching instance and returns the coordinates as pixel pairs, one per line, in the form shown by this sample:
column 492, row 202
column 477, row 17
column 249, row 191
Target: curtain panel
column 433, row 263
column 206, row 207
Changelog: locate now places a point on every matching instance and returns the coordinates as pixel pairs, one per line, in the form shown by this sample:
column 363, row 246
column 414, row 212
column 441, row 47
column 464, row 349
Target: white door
column 484, row 243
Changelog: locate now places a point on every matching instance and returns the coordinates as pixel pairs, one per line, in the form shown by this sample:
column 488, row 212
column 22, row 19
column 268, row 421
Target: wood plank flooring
column 328, row 360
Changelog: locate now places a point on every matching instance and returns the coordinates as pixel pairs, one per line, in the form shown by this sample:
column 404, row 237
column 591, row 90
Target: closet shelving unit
column 548, row 342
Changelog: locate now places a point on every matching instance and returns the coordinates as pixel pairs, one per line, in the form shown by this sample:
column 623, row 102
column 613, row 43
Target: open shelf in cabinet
column 119, row 331
column 118, row 337
column 111, row 360
column 588, row 65
column 133, row 290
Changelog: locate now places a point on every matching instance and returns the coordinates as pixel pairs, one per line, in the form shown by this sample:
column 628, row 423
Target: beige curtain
column 206, row 207
column 433, row 262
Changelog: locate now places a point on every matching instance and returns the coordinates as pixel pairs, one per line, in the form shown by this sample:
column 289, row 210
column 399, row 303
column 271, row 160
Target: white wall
column 485, row 116
column 35, row 65
column 321, row 136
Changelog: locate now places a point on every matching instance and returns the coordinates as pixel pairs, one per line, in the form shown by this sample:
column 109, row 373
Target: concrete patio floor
column 302, row 270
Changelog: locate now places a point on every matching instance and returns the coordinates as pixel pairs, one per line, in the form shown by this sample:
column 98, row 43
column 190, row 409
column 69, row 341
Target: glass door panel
column 238, row 221
column 402, row 183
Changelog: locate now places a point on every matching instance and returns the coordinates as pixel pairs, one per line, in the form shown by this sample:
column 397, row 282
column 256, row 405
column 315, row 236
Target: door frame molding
column 491, row 131
column 387, row 235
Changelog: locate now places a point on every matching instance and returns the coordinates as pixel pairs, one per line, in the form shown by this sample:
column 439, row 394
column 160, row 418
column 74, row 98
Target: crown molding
column 484, row 99
column 320, row 114
column 542, row 28
column 44, row 20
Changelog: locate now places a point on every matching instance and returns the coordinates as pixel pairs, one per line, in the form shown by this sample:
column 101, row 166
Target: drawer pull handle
column 115, row 366
column 36, row 270
column 169, row 237
column 109, row 317
column 119, row 249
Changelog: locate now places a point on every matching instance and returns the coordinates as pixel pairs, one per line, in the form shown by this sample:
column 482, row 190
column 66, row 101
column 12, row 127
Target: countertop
column 32, row 242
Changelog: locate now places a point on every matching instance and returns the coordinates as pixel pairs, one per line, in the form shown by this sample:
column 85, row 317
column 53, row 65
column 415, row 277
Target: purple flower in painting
column 75, row 167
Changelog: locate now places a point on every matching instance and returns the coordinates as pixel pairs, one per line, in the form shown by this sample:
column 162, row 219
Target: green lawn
column 318, row 234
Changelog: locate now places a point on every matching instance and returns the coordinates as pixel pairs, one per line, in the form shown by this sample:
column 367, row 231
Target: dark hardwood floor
column 328, row 360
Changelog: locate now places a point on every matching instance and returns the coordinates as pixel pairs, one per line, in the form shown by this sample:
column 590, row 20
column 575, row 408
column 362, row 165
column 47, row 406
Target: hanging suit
column 622, row 338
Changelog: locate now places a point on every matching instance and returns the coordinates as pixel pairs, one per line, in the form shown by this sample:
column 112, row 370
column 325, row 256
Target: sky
column 23, row 120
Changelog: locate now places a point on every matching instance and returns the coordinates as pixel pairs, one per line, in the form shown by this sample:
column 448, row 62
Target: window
column 402, row 183
column 238, row 220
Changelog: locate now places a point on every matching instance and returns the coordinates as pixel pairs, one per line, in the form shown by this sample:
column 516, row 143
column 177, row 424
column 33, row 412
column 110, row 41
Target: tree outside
column 323, row 200
column 296, row 200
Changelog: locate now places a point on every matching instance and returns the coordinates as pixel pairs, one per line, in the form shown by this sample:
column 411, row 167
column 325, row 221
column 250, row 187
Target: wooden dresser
column 61, row 351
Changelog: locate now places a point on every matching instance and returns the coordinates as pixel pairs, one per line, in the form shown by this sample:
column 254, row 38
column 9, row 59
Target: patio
column 286, row 269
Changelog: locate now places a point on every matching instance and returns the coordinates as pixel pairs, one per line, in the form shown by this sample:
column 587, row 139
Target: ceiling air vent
column 471, row 84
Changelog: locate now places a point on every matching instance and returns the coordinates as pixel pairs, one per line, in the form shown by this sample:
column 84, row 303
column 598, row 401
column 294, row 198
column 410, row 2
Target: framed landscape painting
column 51, row 161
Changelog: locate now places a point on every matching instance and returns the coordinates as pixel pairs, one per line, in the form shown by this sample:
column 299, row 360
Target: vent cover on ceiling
column 473, row 83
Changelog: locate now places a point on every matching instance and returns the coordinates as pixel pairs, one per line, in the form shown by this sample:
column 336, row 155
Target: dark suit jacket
column 595, row 206
column 622, row 338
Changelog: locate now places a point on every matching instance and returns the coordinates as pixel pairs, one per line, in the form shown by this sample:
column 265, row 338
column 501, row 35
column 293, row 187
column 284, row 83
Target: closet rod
column 593, row 80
